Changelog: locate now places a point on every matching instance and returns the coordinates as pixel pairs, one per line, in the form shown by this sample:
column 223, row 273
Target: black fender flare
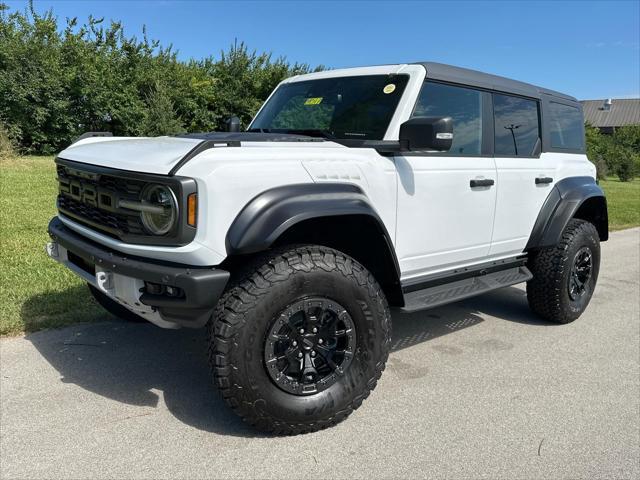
column 561, row 205
column 274, row 211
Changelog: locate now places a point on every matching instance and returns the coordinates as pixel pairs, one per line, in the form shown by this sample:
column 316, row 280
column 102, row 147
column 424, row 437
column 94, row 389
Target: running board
column 452, row 292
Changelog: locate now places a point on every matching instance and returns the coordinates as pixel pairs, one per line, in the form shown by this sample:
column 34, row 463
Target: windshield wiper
column 259, row 130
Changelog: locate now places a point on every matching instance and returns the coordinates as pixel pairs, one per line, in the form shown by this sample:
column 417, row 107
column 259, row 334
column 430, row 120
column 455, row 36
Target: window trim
column 540, row 134
column 550, row 147
column 488, row 140
column 486, row 109
column 405, row 76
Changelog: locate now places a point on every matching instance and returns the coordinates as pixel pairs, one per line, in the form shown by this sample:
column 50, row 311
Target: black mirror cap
column 233, row 124
column 427, row 133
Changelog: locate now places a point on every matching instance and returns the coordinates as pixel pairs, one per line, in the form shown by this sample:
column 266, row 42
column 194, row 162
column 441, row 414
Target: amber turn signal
column 192, row 209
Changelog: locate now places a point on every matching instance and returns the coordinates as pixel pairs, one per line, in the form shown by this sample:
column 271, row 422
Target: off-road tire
column 548, row 292
column 113, row 307
column 250, row 306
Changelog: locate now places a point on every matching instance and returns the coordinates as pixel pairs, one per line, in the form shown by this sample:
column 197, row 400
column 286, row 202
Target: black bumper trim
column 202, row 286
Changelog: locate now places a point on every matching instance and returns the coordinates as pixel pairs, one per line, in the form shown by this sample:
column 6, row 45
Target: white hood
column 160, row 155
column 150, row 155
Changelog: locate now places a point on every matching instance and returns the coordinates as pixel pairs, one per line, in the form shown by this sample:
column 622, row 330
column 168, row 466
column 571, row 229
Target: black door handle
column 543, row 180
column 484, row 182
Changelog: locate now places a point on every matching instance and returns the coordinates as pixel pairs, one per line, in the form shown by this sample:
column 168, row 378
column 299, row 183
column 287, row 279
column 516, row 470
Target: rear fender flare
column 561, row 205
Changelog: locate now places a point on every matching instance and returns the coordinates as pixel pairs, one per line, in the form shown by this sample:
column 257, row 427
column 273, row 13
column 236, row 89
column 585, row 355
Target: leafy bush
column 56, row 83
column 618, row 153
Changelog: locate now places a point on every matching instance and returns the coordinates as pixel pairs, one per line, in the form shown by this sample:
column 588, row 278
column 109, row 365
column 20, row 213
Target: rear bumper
column 123, row 279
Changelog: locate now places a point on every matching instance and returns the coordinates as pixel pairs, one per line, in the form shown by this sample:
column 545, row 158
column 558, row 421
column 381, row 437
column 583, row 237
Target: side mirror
column 426, row 133
column 233, row 124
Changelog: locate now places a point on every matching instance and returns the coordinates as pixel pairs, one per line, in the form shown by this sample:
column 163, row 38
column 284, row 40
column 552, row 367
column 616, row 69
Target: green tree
column 618, row 153
column 56, row 83
column 597, row 146
column 6, row 144
column 160, row 116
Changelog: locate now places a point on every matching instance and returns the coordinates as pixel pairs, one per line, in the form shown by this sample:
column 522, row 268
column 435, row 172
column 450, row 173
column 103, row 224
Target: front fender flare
column 274, row 211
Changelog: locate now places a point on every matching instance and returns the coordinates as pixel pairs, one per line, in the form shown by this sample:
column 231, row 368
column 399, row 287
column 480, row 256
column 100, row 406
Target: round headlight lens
column 162, row 219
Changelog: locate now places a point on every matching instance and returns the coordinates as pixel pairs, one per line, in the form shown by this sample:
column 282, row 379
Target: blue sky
column 589, row 49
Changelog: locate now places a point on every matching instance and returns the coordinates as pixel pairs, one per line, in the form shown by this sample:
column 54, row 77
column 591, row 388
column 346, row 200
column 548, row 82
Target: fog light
column 154, row 288
column 164, row 290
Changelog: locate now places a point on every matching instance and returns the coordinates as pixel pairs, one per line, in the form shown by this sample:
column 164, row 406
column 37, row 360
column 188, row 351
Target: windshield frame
column 399, row 109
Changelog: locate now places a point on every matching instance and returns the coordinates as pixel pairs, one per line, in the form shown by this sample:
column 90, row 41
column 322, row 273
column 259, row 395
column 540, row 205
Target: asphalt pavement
column 478, row 389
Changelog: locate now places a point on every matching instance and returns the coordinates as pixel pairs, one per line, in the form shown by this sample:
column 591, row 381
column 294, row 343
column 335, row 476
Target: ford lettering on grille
column 92, row 199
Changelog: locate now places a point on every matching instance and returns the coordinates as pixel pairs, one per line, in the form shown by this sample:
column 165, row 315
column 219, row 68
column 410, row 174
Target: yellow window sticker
column 389, row 88
column 313, row 101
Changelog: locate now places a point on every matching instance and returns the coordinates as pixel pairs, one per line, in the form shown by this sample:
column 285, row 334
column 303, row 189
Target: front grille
column 92, row 199
column 109, row 222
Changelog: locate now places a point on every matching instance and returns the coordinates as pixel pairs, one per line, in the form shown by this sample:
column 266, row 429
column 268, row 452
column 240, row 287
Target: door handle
column 543, row 180
column 481, row 182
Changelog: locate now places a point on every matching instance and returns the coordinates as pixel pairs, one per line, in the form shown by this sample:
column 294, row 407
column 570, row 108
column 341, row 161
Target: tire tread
column 245, row 290
column 547, row 266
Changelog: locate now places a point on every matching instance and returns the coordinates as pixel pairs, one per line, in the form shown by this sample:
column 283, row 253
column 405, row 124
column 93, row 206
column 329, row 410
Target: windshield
column 357, row 107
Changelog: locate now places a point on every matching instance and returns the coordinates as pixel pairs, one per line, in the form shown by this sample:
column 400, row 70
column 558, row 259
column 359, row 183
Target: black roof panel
column 449, row 73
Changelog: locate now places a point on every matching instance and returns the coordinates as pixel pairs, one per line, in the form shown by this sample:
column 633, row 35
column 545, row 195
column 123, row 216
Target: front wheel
column 298, row 342
column 565, row 275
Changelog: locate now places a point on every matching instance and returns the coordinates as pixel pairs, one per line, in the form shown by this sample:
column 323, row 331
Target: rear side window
column 516, row 125
column 566, row 126
column 463, row 105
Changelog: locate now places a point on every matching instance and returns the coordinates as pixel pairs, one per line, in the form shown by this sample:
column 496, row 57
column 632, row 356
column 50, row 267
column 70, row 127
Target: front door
column 446, row 201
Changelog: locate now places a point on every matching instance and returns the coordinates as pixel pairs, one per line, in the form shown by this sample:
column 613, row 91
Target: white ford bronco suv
column 351, row 191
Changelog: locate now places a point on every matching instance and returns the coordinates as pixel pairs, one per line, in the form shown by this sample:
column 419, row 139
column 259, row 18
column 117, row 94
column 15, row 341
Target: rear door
column 446, row 200
column 525, row 176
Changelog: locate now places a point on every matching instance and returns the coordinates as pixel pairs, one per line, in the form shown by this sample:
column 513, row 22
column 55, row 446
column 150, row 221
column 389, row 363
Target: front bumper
column 123, row 279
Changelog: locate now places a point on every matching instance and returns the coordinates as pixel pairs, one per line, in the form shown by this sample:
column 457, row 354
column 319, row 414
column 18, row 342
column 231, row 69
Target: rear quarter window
column 566, row 126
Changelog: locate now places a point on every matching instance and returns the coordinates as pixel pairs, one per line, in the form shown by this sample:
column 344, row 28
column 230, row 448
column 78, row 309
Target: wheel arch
column 572, row 197
column 335, row 215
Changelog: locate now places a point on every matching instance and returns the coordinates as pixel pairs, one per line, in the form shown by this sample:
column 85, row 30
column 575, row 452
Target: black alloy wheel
column 310, row 345
column 580, row 273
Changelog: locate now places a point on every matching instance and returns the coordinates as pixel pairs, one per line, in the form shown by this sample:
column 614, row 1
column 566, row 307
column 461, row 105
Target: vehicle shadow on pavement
column 137, row 363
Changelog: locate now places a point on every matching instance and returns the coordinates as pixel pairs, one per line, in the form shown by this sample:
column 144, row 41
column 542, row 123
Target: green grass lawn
column 623, row 201
column 37, row 293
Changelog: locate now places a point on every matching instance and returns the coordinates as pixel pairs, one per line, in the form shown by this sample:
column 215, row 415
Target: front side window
column 358, row 107
column 463, row 105
column 516, row 125
column 566, row 126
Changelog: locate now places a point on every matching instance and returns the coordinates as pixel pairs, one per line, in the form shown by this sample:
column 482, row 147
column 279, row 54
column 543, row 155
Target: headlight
column 159, row 220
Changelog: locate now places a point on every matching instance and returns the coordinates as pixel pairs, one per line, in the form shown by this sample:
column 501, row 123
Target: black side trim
column 233, row 139
column 458, row 274
column 201, row 147
column 561, row 205
column 274, row 211
column 202, row 286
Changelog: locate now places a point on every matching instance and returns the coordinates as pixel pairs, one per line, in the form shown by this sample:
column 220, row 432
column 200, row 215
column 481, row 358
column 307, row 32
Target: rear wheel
column 113, row 307
column 565, row 275
column 299, row 341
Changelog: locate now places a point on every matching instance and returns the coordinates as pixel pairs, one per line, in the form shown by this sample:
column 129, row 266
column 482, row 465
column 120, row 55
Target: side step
column 452, row 292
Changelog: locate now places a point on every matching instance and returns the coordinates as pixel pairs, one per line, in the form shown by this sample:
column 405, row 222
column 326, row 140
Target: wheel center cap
column 307, row 344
